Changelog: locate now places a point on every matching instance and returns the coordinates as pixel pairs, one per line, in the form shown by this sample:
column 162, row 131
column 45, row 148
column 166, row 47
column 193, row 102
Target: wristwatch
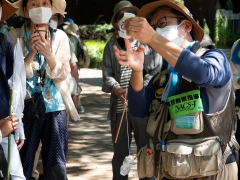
column 76, row 94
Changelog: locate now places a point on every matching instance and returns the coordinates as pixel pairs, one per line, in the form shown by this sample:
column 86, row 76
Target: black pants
column 121, row 147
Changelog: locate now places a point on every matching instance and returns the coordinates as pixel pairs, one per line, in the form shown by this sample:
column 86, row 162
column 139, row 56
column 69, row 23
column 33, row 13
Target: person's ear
column 188, row 26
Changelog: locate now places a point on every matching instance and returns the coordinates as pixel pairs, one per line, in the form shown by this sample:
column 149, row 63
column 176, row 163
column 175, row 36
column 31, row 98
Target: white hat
column 71, row 28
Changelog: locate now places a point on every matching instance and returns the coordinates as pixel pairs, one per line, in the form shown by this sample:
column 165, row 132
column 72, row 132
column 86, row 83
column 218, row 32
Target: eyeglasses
column 162, row 22
column 120, row 15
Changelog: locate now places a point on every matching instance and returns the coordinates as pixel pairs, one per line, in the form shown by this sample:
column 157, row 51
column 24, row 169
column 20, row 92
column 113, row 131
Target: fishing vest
column 214, row 132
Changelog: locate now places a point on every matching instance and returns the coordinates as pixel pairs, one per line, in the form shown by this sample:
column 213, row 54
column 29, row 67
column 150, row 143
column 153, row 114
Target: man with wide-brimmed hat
column 115, row 81
column 169, row 28
column 6, row 63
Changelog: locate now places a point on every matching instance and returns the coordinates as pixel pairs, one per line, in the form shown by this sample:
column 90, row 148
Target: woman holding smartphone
column 47, row 68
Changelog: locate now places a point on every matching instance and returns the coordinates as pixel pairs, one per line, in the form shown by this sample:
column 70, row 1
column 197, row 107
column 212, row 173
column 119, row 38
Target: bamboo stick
column 119, row 127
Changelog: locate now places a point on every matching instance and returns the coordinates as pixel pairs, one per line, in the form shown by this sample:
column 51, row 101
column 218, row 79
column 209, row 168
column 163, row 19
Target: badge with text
column 185, row 103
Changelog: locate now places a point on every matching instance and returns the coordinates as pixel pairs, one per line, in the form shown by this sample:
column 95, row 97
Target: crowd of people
column 164, row 67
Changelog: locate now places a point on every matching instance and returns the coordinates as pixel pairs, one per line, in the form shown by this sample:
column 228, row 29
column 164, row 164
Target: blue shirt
column 211, row 73
column 52, row 98
column 6, row 71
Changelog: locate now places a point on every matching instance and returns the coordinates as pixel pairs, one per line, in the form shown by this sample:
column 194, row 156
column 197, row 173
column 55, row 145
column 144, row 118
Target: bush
column 224, row 35
column 95, row 32
column 95, row 37
column 95, row 51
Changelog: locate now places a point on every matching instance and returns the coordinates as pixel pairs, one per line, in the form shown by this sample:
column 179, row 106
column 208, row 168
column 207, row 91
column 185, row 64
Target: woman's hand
column 20, row 143
column 42, row 45
column 8, row 124
column 31, row 43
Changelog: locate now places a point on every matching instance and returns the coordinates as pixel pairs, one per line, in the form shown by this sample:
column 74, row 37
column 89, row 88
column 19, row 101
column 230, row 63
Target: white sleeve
column 0, row 137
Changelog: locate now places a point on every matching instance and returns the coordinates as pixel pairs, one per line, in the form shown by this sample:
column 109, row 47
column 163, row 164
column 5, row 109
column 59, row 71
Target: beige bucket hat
column 150, row 7
column 59, row 6
column 71, row 28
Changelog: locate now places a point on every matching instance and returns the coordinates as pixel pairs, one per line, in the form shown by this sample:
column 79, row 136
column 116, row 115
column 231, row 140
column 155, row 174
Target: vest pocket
column 191, row 158
column 188, row 124
column 208, row 156
column 145, row 162
column 176, row 160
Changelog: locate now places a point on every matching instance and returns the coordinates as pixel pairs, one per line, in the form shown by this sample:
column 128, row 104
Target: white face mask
column 171, row 34
column 0, row 13
column 40, row 15
column 53, row 24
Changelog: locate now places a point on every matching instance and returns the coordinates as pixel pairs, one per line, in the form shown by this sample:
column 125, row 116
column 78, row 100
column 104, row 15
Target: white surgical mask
column 40, row 15
column 53, row 24
column 0, row 13
column 171, row 34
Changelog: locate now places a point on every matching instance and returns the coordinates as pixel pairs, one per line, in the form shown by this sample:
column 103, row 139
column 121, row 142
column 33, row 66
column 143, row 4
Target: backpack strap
column 3, row 43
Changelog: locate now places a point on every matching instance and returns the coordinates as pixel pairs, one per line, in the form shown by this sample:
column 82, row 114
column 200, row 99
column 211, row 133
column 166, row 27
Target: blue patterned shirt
column 52, row 97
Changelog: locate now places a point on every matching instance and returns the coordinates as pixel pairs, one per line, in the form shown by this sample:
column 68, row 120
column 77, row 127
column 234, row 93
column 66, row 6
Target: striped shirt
column 125, row 78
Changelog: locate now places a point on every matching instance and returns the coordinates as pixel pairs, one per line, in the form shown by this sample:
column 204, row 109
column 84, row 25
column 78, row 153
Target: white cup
column 122, row 31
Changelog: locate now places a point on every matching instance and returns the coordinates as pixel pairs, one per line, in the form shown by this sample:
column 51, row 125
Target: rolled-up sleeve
column 109, row 81
column 61, row 52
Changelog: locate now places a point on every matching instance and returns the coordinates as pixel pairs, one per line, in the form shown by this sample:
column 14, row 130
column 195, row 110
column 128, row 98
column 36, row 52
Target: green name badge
column 185, row 103
column 185, row 122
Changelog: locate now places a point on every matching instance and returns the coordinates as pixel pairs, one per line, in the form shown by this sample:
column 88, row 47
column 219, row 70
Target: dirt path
column 90, row 146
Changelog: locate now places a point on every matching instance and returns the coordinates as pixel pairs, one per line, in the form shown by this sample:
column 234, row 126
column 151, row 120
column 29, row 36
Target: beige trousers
column 228, row 172
column 35, row 172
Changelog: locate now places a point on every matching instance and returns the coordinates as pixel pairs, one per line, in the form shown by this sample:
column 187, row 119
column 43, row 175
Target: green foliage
column 95, row 51
column 95, row 31
column 205, row 27
column 224, row 37
column 95, row 37
column 218, row 5
column 221, row 33
column 229, row 5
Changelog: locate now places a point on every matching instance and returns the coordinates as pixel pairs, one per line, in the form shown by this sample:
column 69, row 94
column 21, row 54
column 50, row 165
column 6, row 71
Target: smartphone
column 42, row 29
